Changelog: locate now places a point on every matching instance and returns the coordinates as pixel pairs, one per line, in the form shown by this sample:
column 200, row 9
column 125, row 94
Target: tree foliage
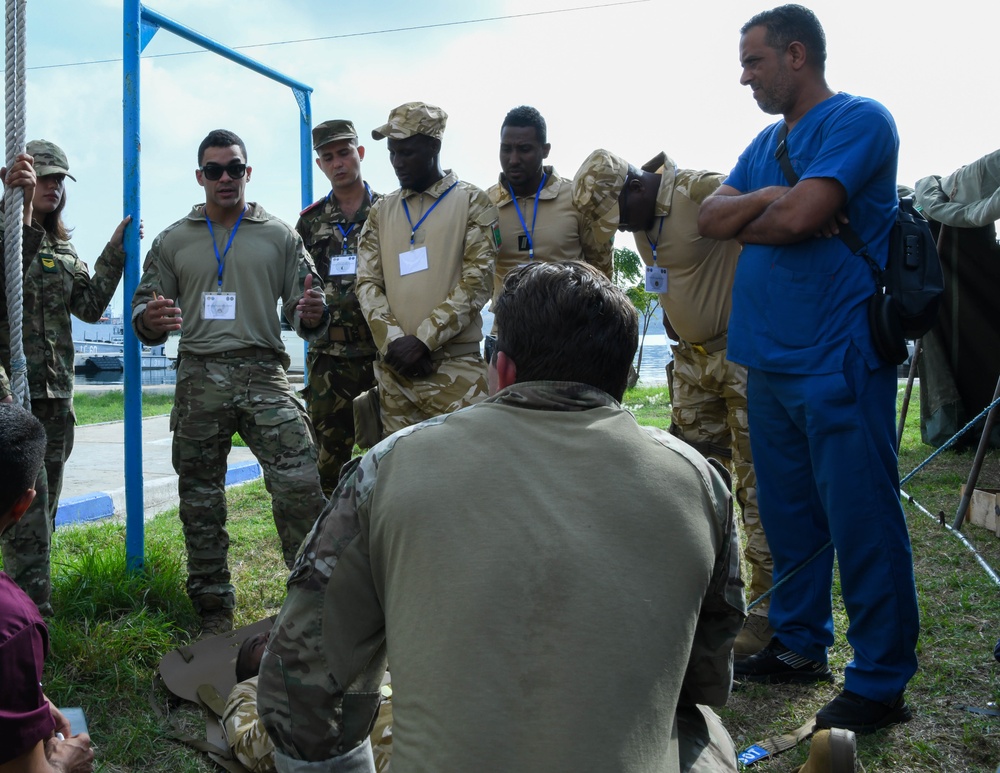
column 628, row 273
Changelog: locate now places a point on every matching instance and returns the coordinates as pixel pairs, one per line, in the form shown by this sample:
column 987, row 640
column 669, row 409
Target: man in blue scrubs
column 821, row 403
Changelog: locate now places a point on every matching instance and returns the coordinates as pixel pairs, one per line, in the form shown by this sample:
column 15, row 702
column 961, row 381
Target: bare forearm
column 725, row 216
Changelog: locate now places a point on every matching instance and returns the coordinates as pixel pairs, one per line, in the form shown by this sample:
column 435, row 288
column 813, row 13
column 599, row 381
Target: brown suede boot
column 756, row 635
column 832, row 751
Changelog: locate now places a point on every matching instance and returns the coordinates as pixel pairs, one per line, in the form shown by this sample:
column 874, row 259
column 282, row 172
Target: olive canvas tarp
column 961, row 362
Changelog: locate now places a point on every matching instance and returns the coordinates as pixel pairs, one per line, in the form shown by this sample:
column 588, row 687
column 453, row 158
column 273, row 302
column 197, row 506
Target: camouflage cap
column 596, row 188
column 331, row 131
column 413, row 118
column 49, row 158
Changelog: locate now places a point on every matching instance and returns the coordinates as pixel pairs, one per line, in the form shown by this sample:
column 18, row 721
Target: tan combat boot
column 832, row 751
column 215, row 618
column 756, row 635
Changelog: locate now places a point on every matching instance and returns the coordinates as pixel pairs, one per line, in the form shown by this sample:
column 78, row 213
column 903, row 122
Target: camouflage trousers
column 708, row 396
column 705, row 746
column 455, row 383
column 57, row 415
column 214, row 398
column 26, row 546
column 334, row 382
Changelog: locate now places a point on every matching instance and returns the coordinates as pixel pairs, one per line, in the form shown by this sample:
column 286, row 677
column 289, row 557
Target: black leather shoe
column 862, row 715
column 776, row 664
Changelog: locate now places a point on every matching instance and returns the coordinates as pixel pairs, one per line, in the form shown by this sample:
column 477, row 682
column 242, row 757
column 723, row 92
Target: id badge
column 219, row 305
column 413, row 261
column 656, row 279
column 343, row 264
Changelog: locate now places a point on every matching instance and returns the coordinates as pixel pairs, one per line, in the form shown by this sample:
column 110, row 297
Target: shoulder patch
column 313, row 206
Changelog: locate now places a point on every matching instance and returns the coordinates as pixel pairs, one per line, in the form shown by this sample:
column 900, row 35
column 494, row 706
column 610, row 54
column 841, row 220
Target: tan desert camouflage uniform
column 246, row 735
column 464, row 230
column 57, row 284
column 231, row 378
column 253, row 747
column 339, row 366
column 708, row 392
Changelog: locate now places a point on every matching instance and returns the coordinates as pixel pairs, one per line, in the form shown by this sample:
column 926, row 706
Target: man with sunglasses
column 226, row 264
column 425, row 270
column 693, row 277
column 339, row 363
column 538, row 220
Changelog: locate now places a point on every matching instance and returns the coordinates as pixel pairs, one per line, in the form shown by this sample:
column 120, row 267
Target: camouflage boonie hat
column 596, row 188
column 331, row 131
column 49, row 158
column 413, row 118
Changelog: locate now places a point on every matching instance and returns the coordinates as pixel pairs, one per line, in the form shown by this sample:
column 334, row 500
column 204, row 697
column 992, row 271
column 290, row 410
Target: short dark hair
column 220, row 138
column 565, row 321
column 527, row 116
column 788, row 23
column 22, row 450
column 245, row 668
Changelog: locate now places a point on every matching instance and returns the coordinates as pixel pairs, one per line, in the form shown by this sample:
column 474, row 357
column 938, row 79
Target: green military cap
column 331, row 131
column 596, row 188
column 49, row 158
column 413, row 118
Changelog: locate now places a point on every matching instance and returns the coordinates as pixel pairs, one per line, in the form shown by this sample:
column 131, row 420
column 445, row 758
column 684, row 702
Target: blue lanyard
column 221, row 259
column 345, row 232
column 406, row 209
column 659, row 233
column 534, row 217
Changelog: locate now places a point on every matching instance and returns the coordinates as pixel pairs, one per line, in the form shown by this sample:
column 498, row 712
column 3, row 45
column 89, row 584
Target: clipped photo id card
column 656, row 279
column 413, row 261
column 343, row 264
column 219, row 305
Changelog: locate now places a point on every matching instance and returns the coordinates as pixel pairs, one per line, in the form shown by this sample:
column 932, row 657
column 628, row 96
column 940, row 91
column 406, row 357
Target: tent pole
column 977, row 463
column 906, row 395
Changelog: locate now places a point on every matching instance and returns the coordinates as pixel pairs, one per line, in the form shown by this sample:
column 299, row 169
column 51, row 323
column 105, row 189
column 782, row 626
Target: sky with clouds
column 636, row 77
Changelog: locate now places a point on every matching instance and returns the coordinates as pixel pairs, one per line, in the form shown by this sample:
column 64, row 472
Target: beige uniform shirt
column 699, row 270
column 558, row 232
column 554, row 628
column 440, row 304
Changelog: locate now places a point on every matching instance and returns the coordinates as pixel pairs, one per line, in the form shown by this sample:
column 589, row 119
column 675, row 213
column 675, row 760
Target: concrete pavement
column 94, row 481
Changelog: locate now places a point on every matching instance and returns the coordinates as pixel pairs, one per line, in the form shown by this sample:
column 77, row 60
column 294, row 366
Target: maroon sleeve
column 25, row 718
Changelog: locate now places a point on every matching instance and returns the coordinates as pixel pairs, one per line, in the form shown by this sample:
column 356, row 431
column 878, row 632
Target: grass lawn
column 111, row 629
column 110, row 406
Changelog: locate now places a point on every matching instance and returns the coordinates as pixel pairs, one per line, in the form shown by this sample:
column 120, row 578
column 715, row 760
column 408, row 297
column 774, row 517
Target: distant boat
column 101, row 346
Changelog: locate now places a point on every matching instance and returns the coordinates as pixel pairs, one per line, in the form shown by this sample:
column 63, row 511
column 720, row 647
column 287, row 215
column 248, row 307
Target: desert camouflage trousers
column 334, row 382
column 214, row 398
column 26, row 546
column 455, row 383
column 708, row 395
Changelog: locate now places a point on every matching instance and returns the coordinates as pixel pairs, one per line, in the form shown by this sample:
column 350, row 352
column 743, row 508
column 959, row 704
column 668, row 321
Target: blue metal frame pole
column 139, row 26
column 134, row 499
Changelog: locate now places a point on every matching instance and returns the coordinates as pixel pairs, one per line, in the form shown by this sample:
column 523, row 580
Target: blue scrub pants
column 824, row 452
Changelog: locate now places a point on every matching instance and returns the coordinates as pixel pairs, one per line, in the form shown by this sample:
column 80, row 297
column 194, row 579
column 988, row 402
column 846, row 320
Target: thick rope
column 13, row 196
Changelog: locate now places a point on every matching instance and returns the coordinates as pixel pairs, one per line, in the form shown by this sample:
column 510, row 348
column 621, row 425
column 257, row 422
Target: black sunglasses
column 235, row 170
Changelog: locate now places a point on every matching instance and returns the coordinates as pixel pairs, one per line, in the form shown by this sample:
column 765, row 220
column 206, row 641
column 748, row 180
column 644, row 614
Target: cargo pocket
column 281, row 431
column 195, row 446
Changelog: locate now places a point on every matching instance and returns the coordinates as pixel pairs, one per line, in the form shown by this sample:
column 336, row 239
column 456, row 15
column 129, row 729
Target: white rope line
column 14, row 83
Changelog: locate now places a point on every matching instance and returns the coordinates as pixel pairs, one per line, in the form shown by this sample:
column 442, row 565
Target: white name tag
column 656, row 279
column 413, row 261
column 343, row 264
column 219, row 305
